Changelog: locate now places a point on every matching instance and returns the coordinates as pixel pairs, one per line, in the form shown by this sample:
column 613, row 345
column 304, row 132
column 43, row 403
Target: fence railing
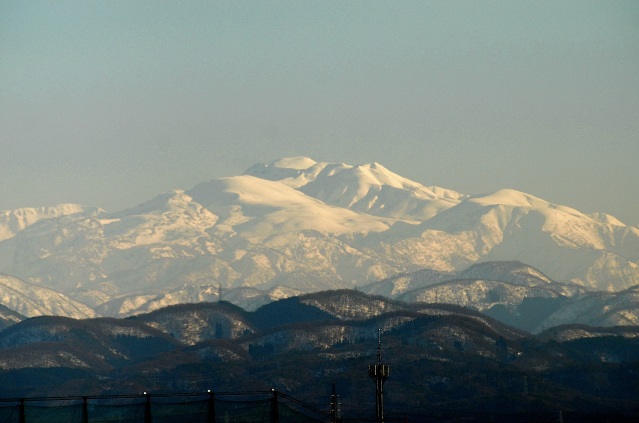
column 209, row 407
column 241, row 407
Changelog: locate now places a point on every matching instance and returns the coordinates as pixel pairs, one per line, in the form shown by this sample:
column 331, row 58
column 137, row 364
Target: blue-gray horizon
column 108, row 104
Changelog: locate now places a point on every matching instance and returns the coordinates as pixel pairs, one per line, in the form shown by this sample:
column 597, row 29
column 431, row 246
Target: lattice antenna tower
column 379, row 373
column 336, row 411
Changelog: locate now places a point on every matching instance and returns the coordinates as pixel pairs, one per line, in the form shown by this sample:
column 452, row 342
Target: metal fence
column 247, row 407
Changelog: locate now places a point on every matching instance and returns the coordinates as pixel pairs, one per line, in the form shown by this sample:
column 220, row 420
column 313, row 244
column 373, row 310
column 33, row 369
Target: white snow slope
column 306, row 225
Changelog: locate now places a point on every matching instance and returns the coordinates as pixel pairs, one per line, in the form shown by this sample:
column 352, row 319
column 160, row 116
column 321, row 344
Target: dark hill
column 287, row 311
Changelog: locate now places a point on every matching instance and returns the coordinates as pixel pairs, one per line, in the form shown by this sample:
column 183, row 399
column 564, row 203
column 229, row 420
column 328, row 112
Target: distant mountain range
column 297, row 226
column 516, row 294
column 511, row 292
column 443, row 358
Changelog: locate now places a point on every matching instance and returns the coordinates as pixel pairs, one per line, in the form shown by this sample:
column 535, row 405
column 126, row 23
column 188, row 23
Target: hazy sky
column 109, row 103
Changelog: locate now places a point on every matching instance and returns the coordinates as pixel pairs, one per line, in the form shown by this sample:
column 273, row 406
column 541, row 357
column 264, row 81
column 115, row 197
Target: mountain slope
column 104, row 343
column 598, row 309
column 193, row 323
column 30, row 300
column 14, row 221
column 566, row 244
column 9, row 317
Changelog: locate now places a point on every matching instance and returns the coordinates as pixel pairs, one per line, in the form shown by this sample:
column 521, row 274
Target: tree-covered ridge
column 442, row 356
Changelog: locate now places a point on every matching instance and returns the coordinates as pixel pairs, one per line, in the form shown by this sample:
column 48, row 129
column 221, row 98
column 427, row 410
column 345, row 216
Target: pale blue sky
column 110, row 103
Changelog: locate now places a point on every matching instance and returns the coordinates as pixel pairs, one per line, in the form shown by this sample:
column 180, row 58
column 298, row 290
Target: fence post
column 275, row 414
column 85, row 410
column 21, row 418
column 147, row 408
column 210, row 418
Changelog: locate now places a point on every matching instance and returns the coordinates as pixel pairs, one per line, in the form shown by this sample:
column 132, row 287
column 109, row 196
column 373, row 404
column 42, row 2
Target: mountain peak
column 309, row 176
column 280, row 169
column 509, row 197
column 299, row 163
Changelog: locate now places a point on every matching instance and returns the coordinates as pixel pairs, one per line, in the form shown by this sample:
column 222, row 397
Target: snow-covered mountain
column 32, row 300
column 369, row 188
column 516, row 294
column 13, row 221
column 308, row 226
column 598, row 309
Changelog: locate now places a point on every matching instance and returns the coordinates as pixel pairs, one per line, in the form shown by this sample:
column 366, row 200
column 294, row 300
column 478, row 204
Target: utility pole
column 379, row 373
